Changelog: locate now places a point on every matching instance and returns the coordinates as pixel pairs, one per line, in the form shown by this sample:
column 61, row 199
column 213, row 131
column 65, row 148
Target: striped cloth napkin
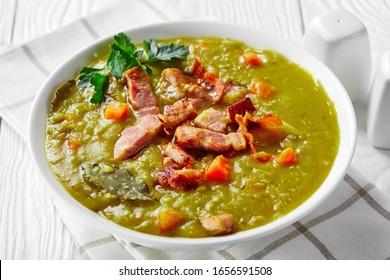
column 353, row 223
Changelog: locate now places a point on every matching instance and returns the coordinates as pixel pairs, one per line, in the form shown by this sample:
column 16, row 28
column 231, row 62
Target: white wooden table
column 29, row 226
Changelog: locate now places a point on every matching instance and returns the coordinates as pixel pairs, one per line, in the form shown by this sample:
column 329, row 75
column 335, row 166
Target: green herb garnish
column 124, row 55
column 163, row 52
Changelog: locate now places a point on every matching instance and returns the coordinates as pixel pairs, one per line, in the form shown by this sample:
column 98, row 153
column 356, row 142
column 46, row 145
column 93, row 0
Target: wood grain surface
column 29, row 226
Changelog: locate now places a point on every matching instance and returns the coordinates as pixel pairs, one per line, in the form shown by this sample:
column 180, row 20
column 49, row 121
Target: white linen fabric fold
column 353, row 223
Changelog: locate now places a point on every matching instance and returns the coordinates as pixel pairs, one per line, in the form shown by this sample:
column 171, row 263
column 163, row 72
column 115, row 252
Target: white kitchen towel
column 353, row 223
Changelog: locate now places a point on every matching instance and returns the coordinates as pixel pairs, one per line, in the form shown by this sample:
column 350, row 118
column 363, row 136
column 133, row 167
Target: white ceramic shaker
column 340, row 40
column 378, row 123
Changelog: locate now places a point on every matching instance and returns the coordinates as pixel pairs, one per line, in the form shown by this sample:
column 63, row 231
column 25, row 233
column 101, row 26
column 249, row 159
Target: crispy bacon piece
column 174, row 80
column 140, row 92
column 204, row 139
column 265, row 121
column 240, row 108
column 219, row 224
column 242, row 122
column 178, row 155
column 212, row 120
column 199, row 93
column 184, row 179
column 197, row 68
column 134, row 138
column 178, row 113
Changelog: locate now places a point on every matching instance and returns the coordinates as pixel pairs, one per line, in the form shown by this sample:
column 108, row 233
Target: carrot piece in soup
column 116, row 111
column 251, row 59
column 219, row 169
column 262, row 89
column 72, row 144
column 287, row 157
column 169, row 219
column 269, row 121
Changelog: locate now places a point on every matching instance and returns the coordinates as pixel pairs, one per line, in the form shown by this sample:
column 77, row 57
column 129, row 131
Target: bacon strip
column 178, row 155
column 178, row 113
column 199, row 138
column 183, row 179
column 141, row 96
column 265, row 121
column 134, row 138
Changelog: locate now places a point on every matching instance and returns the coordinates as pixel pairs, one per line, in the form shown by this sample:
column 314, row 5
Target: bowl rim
column 37, row 146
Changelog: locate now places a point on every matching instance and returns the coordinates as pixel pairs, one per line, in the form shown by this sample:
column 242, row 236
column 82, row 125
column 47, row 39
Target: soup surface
column 220, row 139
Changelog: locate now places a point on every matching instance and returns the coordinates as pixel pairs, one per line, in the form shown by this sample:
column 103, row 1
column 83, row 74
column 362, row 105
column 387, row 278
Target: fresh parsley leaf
column 124, row 43
column 85, row 76
column 100, row 83
column 116, row 63
column 124, row 55
column 163, row 52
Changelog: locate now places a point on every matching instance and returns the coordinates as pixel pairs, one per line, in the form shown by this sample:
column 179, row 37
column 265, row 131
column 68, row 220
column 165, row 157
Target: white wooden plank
column 280, row 17
column 29, row 225
column 23, row 20
column 7, row 18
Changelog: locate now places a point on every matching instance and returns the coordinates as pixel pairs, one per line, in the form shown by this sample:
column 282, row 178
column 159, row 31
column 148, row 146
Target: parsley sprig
column 125, row 55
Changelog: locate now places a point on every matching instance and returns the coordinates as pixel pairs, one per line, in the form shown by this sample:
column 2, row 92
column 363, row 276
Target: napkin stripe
column 226, row 255
column 274, row 245
column 326, row 216
column 367, row 197
column 375, row 205
column 89, row 28
column 35, row 60
column 313, row 239
column 96, row 243
column 335, row 211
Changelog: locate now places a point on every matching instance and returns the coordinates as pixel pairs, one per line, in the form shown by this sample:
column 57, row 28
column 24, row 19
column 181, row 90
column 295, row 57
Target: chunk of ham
column 212, row 120
column 178, row 155
column 204, row 139
column 183, row 179
column 134, row 138
column 141, row 96
column 219, row 224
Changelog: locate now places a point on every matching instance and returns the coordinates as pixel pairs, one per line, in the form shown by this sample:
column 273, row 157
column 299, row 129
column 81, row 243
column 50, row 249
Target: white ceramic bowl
column 251, row 37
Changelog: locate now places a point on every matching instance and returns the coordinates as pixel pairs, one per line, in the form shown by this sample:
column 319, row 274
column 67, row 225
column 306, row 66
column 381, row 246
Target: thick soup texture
column 226, row 139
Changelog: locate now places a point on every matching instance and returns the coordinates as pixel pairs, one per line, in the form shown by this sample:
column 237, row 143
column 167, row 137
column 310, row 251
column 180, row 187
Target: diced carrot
column 251, row 59
column 168, row 219
column 269, row 121
column 116, row 111
column 72, row 143
column 262, row 89
column 287, row 157
column 202, row 44
column 219, row 169
column 262, row 156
